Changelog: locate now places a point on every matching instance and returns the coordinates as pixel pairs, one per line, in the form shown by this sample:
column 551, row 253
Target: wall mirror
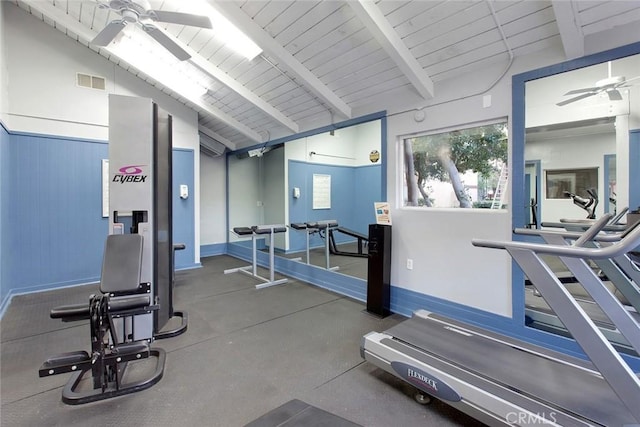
column 574, row 126
column 335, row 174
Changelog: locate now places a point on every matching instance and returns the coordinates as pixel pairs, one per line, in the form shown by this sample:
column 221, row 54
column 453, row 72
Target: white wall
column 3, row 65
column 43, row 97
column 575, row 152
column 446, row 265
column 213, row 203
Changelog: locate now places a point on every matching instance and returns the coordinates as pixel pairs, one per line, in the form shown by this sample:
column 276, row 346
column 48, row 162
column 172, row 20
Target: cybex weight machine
column 136, row 286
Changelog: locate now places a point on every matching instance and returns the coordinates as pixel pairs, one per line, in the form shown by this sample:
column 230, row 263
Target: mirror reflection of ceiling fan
column 610, row 86
column 140, row 12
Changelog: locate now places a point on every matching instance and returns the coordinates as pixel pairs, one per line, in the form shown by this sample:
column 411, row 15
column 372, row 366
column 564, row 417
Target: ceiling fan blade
column 630, row 80
column 614, row 95
column 583, row 90
column 577, row 98
column 166, row 41
column 108, row 33
column 180, row 18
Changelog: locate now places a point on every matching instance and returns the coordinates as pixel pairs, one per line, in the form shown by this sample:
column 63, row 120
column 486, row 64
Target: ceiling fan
column 610, row 86
column 140, row 12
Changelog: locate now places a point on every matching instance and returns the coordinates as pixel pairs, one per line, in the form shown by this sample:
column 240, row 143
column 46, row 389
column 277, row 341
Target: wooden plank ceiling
column 323, row 60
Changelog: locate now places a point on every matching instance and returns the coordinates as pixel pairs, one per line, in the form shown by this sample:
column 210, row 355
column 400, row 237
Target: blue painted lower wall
column 4, row 188
column 52, row 229
column 634, row 169
column 353, row 192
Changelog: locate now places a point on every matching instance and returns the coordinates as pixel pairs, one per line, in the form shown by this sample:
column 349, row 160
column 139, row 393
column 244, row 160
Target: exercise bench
column 256, row 232
column 120, row 331
column 323, row 228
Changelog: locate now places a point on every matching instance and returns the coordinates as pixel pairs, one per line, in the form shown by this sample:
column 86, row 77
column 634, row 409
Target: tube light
column 223, row 29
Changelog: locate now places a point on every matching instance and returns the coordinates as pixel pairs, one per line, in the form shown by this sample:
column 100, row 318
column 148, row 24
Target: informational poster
column 105, row 188
column 383, row 213
column 321, row 191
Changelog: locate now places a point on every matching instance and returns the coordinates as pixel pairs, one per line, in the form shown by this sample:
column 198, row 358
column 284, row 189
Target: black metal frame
column 362, row 240
column 110, row 353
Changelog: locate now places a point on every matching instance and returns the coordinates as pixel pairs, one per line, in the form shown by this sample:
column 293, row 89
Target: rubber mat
column 300, row 414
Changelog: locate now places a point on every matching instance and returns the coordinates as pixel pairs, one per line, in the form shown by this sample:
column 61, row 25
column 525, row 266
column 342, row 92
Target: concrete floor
column 245, row 352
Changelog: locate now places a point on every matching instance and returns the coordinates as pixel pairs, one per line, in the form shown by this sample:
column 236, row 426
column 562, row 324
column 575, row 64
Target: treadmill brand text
column 425, row 381
column 429, row 382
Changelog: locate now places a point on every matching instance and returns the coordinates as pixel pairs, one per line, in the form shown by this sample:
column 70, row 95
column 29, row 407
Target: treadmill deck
column 564, row 383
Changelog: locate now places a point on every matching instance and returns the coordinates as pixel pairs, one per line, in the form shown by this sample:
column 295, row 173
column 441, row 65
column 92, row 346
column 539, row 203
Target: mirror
column 577, row 127
column 335, row 174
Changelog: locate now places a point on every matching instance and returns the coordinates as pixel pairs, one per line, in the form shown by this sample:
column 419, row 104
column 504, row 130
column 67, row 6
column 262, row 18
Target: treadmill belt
column 574, row 389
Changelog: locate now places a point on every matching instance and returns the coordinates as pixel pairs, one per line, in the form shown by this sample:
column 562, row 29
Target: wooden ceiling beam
column 378, row 25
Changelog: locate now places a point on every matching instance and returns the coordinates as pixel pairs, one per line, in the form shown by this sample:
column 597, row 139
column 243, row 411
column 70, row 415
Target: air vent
column 93, row 82
column 210, row 146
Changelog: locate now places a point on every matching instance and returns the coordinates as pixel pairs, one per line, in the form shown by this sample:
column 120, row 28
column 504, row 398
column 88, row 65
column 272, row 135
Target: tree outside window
column 465, row 168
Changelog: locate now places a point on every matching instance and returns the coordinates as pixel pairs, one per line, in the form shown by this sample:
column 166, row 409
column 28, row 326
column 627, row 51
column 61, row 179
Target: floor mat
column 300, row 414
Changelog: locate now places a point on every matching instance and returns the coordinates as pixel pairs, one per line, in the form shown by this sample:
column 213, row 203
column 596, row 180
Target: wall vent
column 93, row 82
column 210, row 146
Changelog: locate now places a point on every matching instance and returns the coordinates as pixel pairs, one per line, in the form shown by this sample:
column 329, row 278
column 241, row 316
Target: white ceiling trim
column 274, row 49
column 385, row 34
column 569, row 27
column 71, row 24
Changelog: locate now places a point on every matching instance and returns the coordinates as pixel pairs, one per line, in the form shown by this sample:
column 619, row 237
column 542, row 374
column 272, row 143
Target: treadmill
column 501, row 380
column 620, row 275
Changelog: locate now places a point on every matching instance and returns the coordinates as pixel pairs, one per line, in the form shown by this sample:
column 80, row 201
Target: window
column 465, row 168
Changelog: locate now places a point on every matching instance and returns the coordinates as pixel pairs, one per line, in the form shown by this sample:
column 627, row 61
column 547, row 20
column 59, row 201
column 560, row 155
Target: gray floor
column 245, row 353
column 348, row 265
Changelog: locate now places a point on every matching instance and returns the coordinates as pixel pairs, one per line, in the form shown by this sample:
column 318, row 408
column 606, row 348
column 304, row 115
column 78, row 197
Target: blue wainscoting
column 4, row 188
column 353, row 192
column 184, row 209
column 53, row 231
column 634, row 169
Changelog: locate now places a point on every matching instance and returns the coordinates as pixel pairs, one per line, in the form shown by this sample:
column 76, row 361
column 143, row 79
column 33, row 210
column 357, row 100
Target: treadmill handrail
column 584, row 225
column 601, row 237
column 626, row 244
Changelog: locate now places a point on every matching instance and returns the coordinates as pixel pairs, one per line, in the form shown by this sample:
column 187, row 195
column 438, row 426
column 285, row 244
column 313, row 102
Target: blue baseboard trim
column 345, row 285
column 41, row 288
column 213, row 249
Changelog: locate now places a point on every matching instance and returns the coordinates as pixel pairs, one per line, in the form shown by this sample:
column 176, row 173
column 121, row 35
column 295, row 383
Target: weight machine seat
column 268, row 229
column 322, row 225
column 121, row 267
column 243, row 231
column 299, row 225
column 113, row 346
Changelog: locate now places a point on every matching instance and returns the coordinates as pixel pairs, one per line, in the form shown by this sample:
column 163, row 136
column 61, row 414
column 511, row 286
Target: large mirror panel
column 579, row 131
column 332, row 175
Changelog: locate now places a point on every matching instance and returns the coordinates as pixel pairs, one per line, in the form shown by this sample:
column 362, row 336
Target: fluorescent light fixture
column 223, row 29
column 141, row 52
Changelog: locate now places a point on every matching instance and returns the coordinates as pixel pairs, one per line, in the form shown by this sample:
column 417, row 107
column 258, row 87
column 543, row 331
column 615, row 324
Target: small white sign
column 383, row 213
column 321, row 191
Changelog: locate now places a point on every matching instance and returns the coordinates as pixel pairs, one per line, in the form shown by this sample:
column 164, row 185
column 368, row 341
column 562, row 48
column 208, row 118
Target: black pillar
column 379, row 270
